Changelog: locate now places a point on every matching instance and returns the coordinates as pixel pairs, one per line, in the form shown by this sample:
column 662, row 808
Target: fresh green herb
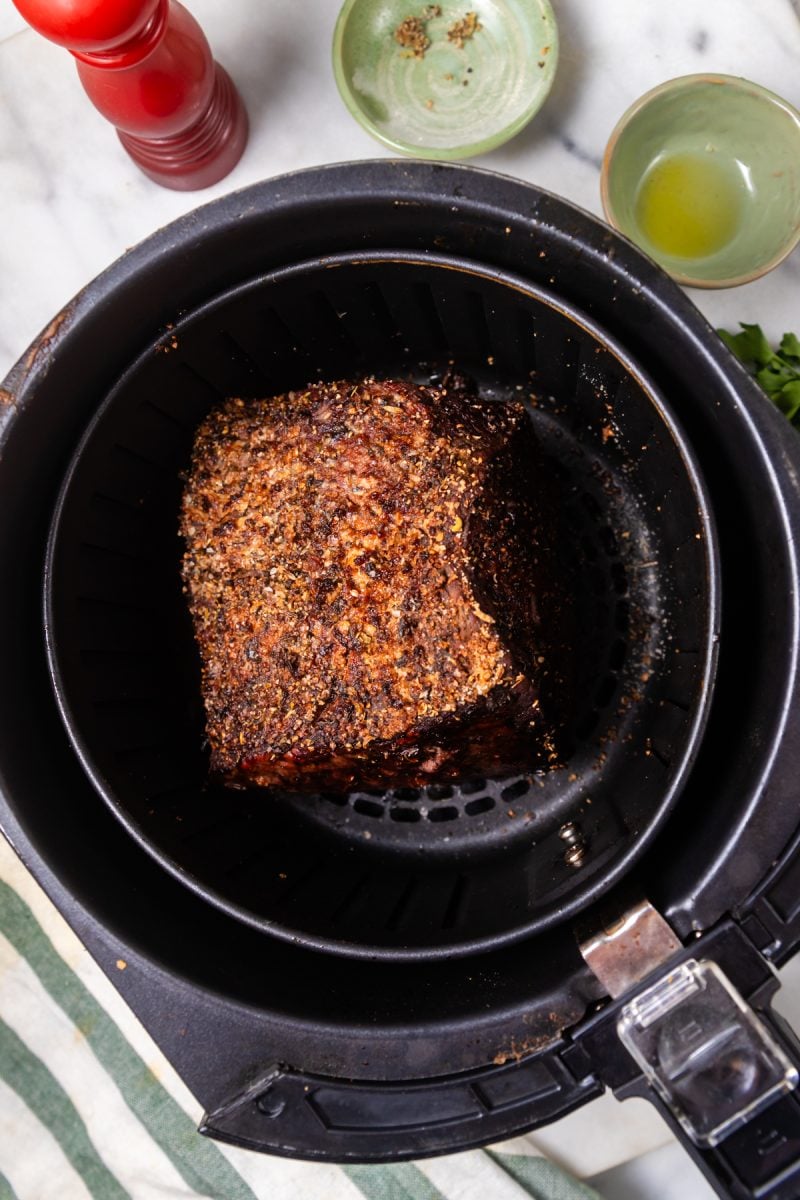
column 778, row 371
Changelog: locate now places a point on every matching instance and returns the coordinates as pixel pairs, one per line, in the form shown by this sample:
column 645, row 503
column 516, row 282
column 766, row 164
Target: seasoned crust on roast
column 372, row 584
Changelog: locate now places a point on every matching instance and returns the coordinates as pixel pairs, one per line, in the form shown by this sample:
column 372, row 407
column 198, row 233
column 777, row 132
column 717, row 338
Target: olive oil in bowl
column 691, row 205
column 703, row 172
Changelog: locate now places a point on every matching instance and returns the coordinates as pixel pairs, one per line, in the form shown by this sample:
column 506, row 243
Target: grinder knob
column 90, row 26
column 147, row 66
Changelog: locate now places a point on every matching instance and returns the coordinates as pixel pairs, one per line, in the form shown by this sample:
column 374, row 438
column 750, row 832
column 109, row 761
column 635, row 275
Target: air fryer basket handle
column 691, row 1029
column 761, row 1159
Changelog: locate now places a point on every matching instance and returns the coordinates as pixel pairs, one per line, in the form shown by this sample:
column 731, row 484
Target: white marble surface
column 71, row 201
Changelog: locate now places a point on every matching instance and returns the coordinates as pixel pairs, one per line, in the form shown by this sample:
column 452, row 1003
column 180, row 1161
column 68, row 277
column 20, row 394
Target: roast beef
column 372, row 576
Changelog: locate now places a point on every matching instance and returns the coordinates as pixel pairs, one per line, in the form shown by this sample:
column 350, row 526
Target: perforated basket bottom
column 452, row 868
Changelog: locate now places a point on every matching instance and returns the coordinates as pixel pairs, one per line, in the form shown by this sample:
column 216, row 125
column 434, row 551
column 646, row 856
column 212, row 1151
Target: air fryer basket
column 451, row 868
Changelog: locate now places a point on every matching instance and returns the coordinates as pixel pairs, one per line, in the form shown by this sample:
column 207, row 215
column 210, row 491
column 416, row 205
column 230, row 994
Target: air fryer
column 379, row 976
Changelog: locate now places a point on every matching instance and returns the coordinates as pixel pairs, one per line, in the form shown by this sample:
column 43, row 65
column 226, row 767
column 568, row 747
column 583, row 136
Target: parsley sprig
column 778, row 371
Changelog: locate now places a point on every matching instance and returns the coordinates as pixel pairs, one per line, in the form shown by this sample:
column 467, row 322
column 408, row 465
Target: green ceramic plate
column 703, row 173
column 455, row 100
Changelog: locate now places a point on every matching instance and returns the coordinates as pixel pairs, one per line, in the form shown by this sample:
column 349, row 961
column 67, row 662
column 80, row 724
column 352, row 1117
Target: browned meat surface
column 372, row 586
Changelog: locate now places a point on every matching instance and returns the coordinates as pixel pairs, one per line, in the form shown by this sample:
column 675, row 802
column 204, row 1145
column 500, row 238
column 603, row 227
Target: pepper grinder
column 146, row 65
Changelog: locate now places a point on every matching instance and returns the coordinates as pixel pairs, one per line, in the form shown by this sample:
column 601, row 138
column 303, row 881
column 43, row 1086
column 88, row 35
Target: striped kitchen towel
column 89, row 1107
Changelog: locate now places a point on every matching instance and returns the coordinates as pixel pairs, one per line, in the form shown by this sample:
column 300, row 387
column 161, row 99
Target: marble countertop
column 71, row 201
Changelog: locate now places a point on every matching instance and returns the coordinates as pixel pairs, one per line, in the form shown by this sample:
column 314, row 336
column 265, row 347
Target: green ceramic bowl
column 703, row 173
column 454, row 101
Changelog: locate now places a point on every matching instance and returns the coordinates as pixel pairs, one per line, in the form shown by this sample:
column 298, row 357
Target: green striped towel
column 89, row 1107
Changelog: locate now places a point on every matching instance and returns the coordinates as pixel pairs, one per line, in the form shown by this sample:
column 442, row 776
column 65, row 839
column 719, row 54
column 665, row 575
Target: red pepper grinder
column 146, row 65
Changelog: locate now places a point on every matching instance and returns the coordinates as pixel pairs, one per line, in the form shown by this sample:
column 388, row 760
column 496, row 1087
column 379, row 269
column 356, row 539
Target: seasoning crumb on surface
column 461, row 31
column 429, row 104
column 411, row 35
column 121, row 964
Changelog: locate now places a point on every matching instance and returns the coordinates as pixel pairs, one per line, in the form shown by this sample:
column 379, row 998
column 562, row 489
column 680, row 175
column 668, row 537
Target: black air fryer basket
column 385, row 975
